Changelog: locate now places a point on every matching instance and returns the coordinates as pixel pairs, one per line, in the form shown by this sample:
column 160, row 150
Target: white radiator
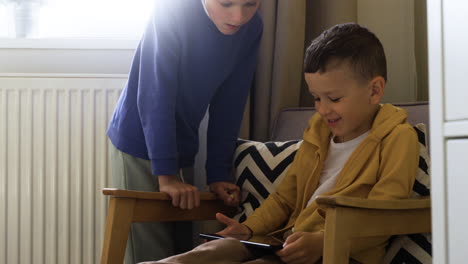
column 53, row 165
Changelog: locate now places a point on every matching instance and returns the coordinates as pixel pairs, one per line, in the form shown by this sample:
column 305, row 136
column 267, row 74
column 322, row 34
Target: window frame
column 69, row 43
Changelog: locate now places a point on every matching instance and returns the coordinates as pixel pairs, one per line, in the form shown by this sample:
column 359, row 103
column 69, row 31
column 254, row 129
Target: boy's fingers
column 236, row 199
column 287, row 252
column 190, row 199
column 232, row 188
column 197, row 198
column 227, row 192
column 191, row 196
column 231, row 200
column 183, row 200
column 224, row 219
column 282, row 253
column 224, row 194
column 233, row 197
column 175, row 198
column 291, row 239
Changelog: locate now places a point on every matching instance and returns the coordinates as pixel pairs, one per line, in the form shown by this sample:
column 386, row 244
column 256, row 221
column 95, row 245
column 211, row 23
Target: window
column 73, row 19
column 70, row 36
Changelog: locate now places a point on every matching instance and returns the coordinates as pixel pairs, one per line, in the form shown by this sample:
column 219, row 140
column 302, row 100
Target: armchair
column 395, row 217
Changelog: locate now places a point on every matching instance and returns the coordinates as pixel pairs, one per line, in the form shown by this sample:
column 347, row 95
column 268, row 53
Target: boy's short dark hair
column 351, row 42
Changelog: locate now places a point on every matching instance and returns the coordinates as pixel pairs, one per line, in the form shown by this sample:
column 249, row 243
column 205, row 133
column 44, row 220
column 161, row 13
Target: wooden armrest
column 368, row 218
column 345, row 201
column 126, row 207
column 157, row 206
column 204, row 196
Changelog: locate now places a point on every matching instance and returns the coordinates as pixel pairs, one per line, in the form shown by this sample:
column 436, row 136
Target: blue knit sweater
column 182, row 66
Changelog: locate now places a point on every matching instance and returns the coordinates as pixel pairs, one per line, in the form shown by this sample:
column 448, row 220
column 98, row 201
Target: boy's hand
column 183, row 195
column 226, row 191
column 234, row 228
column 302, row 247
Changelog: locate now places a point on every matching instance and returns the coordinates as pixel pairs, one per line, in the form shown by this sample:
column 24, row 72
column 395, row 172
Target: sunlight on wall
column 96, row 19
column 6, row 22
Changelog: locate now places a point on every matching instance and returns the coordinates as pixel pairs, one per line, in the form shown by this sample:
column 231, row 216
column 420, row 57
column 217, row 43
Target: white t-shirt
column 338, row 154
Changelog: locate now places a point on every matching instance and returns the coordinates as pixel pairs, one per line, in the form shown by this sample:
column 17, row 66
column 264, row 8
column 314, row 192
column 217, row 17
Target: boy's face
column 347, row 104
column 230, row 15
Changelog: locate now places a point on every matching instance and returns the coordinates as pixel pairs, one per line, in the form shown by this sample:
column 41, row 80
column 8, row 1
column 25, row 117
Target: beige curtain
column 279, row 73
column 322, row 14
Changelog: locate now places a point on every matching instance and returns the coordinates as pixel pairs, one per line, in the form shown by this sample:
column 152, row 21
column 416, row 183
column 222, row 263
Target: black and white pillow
column 415, row 248
column 259, row 168
column 422, row 185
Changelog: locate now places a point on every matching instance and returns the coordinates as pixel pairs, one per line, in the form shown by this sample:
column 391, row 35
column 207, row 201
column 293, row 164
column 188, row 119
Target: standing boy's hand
column 233, row 228
column 226, row 191
column 302, row 248
column 183, row 195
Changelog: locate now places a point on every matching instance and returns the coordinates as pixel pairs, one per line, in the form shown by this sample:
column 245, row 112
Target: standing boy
column 354, row 146
column 194, row 56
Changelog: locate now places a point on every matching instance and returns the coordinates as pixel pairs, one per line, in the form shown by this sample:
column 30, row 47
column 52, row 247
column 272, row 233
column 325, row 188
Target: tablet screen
column 268, row 243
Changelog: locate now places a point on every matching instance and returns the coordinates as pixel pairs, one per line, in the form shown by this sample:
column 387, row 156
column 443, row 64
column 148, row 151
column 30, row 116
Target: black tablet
column 266, row 243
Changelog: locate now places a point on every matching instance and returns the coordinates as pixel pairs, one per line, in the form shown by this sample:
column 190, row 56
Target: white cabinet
column 457, row 183
column 448, row 69
column 455, row 40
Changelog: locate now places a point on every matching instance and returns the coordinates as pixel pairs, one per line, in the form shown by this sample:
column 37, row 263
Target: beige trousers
column 222, row 251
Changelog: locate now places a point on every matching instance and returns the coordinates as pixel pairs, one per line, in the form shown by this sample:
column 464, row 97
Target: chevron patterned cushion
column 415, row 248
column 259, row 168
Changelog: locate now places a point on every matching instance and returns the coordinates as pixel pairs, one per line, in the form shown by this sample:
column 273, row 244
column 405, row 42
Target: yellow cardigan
column 382, row 167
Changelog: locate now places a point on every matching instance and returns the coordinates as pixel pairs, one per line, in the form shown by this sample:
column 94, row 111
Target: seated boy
column 354, row 146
